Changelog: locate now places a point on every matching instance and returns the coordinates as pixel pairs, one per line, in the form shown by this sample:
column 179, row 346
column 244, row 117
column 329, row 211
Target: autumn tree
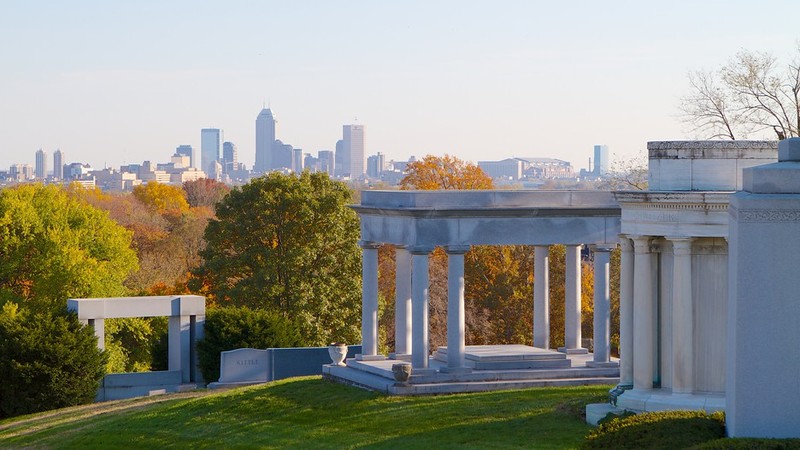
column 164, row 199
column 288, row 244
column 751, row 93
column 205, row 192
column 444, row 172
column 54, row 247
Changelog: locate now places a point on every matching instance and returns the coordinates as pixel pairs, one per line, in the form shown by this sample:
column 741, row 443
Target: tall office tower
column 58, row 164
column 265, row 141
column 187, row 150
column 326, row 162
column 339, row 158
column 600, row 160
column 230, row 158
column 209, row 149
column 41, row 164
column 297, row 160
column 353, row 137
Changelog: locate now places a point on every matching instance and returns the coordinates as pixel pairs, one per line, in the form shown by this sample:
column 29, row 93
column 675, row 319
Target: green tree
column 54, row 247
column 288, row 243
column 48, row 360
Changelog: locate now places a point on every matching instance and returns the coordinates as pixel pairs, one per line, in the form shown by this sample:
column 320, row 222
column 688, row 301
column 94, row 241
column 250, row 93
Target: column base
column 573, row 351
column 602, row 364
column 360, row 357
column 455, row 370
column 400, row 356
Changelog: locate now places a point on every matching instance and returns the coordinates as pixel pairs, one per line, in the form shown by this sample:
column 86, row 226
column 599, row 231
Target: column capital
column 641, row 244
column 420, row 249
column 625, row 243
column 681, row 245
column 602, row 247
column 456, row 249
column 368, row 244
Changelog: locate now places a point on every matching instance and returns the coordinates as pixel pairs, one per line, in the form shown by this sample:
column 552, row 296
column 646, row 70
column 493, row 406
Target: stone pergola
column 416, row 222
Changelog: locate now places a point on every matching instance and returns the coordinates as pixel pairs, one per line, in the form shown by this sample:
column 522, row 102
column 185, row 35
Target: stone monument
column 763, row 391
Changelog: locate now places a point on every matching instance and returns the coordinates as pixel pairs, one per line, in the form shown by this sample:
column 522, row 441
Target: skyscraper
column 265, row 140
column 326, row 162
column 209, row 149
column 58, row 164
column 187, row 150
column 339, row 158
column 354, row 151
column 230, row 157
column 297, row 160
column 600, row 160
column 41, row 164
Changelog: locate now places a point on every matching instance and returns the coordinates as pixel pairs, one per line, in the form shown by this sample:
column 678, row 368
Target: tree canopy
column 753, row 92
column 288, row 243
column 54, row 247
column 444, row 172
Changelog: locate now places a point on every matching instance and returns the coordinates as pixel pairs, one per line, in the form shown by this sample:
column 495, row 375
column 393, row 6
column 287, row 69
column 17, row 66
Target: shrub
column 229, row 328
column 749, row 444
column 658, row 430
column 47, row 361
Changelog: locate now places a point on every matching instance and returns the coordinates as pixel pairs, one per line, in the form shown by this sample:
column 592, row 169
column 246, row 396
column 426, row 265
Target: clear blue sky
column 125, row 81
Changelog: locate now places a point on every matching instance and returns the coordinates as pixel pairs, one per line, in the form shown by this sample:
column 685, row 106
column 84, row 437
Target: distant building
column 339, row 158
column 310, row 163
column 58, row 164
column 354, row 156
column 191, row 153
column 282, row 155
column 507, row 169
column 41, row 165
column 375, row 165
column 601, row 165
column 326, row 162
column 297, row 160
column 230, row 157
column 547, row 168
column 209, row 148
column 265, row 141
column 20, row 172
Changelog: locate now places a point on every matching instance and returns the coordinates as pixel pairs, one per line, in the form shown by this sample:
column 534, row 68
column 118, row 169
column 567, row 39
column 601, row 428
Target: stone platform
column 491, row 367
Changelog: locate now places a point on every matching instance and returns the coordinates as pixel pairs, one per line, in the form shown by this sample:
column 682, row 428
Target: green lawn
column 312, row 413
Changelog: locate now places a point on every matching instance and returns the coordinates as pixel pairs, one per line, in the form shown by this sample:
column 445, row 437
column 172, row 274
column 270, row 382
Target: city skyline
column 523, row 79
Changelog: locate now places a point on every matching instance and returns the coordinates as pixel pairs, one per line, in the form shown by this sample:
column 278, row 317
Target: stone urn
column 338, row 352
column 402, row 372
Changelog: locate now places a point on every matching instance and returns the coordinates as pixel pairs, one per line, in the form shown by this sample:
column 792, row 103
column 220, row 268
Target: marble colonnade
column 412, row 303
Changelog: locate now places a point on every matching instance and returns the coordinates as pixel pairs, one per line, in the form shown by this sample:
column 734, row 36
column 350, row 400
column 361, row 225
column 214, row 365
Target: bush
column 749, row 444
column 229, row 328
column 47, row 361
column 658, row 430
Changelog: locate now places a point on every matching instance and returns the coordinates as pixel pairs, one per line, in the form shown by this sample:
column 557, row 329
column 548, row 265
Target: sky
column 119, row 82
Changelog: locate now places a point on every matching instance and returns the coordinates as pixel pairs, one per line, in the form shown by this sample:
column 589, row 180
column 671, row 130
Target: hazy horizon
column 113, row 83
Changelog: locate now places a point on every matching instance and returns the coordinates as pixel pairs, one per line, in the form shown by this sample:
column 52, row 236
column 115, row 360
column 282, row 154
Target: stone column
column 455, row 308
column 541, row 296
column 179, row 347
column 572, row 302
column 643, row 310
column 602, row 307
column 682, row 317
column 402, row 304
column 99, row 327
column 419, row 307
column 369, row 301
column 626, row 313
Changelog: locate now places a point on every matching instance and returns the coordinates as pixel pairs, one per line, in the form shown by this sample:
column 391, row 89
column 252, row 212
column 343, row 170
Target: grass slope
column 312, row 413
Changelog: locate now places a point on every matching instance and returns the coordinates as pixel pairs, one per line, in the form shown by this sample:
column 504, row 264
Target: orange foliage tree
column 444, row 172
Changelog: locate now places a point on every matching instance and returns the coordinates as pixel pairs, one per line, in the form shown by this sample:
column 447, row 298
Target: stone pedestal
column 762, row 394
